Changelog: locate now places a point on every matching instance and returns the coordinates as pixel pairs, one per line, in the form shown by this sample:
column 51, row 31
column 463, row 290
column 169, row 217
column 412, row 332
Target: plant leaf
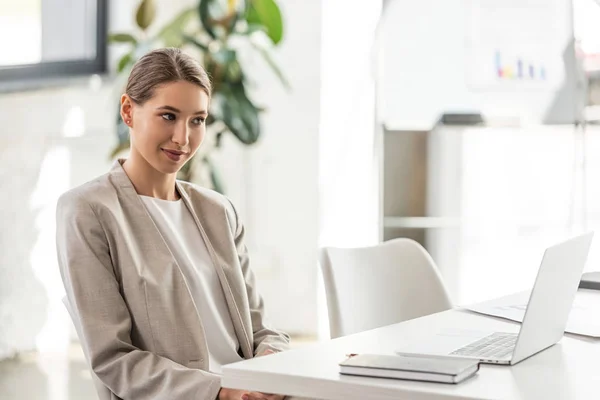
column 224, row 56
column 215, row 177
column 254, row 28
column 205, row 19
column 122, row 38
column 232, row 106
column 171, row 34
column 266, row 13
column 231, row 6
column 195, row 42
column 267, row 56
column 235, row 9
column 126, row 60
column 145, row 14
column 185, row 173
column 234, row 72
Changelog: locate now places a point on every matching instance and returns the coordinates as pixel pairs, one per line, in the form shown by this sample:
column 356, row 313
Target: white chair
column 370, row 287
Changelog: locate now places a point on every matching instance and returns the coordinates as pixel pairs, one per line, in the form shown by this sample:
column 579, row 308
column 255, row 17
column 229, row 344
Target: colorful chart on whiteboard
column 516, row 44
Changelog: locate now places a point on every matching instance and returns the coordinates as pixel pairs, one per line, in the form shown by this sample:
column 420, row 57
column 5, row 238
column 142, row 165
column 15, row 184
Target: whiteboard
column 511, row 44
column 437, row 56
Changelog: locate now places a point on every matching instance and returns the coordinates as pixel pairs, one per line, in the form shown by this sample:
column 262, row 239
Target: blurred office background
column 467, row 125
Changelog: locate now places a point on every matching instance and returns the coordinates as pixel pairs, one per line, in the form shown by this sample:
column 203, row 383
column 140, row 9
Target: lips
column 175, row 155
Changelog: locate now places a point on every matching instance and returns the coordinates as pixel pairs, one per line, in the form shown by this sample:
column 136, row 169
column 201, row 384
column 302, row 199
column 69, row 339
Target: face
column 167, row 129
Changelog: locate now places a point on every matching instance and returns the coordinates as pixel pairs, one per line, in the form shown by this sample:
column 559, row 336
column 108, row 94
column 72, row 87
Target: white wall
column 51, row 140
column 347, row 178
column 348, row 181
column 57, row 138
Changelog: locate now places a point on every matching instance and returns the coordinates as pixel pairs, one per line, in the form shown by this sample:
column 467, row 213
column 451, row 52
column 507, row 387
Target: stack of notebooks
column 444, row 370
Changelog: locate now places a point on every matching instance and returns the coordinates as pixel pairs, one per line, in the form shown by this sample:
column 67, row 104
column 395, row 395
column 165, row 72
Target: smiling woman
column 156, row 270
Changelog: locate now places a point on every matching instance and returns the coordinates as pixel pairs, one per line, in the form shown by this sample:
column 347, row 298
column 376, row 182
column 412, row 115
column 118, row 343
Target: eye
column 198, row 121
column 168, row 116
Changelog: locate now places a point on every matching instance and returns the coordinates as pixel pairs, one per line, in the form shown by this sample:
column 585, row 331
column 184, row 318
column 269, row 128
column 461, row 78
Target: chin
column 171, row 170
column 168, row 167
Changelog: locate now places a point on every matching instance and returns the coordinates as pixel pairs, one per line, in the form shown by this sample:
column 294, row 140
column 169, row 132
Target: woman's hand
column 266, row 353
column 261, row 396
column 232, row 394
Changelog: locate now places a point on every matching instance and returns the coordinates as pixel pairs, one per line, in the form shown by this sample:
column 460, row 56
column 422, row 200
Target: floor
column 35, row 376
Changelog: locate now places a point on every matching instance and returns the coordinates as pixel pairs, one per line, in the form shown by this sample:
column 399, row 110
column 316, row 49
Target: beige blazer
column 135, row 316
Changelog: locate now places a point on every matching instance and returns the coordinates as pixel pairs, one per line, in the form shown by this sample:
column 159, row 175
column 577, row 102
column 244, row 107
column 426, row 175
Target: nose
column 181, row 135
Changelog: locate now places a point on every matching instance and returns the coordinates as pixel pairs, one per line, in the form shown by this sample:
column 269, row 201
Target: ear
column 127, row 110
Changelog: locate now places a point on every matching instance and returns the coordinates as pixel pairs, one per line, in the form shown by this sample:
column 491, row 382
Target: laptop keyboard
column 496, row 345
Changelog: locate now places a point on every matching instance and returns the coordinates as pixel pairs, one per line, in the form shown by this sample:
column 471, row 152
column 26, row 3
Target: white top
column 183, row 238
column 313, row 371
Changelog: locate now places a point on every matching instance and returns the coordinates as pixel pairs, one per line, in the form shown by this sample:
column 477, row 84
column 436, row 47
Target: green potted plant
column 215, row 30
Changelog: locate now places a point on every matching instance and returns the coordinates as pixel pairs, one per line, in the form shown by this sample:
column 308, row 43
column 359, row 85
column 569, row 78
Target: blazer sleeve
column 265, row 338
column 93, row 292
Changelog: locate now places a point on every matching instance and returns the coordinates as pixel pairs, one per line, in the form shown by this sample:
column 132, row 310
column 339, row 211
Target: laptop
column 545, row 317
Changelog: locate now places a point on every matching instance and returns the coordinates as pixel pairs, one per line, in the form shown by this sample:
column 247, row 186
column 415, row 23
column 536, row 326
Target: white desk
column 568, row 370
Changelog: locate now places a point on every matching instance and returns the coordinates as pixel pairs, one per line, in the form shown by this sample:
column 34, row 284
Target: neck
column 147, row 181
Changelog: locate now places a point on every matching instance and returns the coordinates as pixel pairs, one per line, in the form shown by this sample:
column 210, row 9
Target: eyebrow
column 170, row 108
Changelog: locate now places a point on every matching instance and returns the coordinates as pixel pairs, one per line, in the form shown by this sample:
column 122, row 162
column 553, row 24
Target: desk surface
column 567, row 370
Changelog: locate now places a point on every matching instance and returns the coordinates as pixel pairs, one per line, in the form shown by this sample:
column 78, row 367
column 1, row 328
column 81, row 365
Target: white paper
column 584, row 318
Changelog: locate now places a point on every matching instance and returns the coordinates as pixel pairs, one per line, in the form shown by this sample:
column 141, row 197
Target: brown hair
column 164, row 66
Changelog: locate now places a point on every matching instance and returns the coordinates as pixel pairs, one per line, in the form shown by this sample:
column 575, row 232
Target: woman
column 155, row 270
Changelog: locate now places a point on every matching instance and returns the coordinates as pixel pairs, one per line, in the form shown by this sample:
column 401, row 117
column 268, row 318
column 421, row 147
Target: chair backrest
column 370, row 287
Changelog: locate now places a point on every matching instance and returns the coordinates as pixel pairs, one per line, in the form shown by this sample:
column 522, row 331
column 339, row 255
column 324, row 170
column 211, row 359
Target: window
column 51, row 38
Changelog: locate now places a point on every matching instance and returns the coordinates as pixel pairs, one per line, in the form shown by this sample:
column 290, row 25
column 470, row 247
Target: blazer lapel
column 154, row 246
column 241, row 321
column 154, row 249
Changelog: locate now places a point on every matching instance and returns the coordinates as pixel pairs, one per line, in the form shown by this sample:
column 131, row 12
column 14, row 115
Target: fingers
column 262, row 396
column 254, row 396
column 274, row 397
column 266, row 353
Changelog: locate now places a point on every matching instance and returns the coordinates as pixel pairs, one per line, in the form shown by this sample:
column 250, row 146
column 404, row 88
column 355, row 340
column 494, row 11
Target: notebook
column 590, row 280
column 446, row 370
